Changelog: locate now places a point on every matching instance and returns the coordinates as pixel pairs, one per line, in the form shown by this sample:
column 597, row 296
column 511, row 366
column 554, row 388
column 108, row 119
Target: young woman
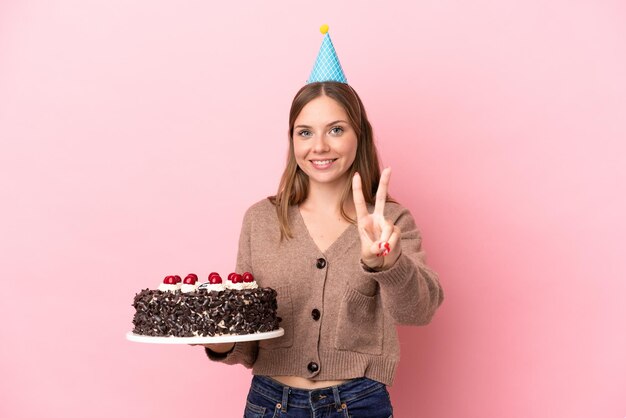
column 346, row 262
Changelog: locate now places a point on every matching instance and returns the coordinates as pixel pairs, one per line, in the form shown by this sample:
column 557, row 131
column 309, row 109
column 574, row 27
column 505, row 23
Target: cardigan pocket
column 360, row 323
column 285, row 312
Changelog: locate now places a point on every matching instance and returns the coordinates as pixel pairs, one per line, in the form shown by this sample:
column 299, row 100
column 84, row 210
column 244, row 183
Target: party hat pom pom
column 324, row 29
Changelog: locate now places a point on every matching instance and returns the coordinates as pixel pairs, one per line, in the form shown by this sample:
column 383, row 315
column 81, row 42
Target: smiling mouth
column 323, row 163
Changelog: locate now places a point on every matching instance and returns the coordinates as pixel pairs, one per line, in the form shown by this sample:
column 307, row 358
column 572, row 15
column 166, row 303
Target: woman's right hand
column 220, row 348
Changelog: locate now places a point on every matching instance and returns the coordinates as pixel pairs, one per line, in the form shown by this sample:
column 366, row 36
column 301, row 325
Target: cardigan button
column 321, row 263
column 315, row 313
column 313, row 367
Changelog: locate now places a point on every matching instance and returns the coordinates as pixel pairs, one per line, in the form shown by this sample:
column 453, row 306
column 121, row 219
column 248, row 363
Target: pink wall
column 135, row 134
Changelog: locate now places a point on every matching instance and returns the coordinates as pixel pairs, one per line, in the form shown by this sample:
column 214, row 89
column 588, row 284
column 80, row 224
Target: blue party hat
column 327, row 66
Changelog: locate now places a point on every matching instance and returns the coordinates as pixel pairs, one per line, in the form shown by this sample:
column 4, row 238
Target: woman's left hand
column 380, row 239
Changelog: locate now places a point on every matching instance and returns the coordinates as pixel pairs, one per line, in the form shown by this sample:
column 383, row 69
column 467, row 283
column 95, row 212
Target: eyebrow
column 332, row 123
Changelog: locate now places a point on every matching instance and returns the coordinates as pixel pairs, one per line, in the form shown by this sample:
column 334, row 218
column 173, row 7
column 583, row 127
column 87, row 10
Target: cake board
column 205, row 340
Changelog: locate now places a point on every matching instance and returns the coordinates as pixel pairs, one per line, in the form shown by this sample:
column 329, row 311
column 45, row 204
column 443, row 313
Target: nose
column 321, row 144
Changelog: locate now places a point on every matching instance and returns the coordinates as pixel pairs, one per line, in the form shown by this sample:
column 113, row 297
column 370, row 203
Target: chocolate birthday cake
column 190, row 309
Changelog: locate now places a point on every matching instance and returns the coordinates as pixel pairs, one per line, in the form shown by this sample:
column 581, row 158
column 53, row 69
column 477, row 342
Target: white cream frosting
column 242, row 286
column 186, row 288
column 218, row 287
column 228, row 285
column 169, row 287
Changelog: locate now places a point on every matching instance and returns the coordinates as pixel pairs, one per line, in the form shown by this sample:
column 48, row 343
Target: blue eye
column 304, row 133
column 337, row 130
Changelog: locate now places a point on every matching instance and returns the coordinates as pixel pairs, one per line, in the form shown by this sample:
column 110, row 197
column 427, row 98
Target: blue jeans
column 358, row 398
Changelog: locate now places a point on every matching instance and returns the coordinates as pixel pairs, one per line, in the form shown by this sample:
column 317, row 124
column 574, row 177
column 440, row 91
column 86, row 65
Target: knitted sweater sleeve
column 410, row 290
column 244, row 352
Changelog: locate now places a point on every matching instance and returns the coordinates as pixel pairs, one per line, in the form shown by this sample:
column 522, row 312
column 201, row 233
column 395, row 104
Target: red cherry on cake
column 177, row 279
column 236, row 278
column 190, row 279
column 214, row 278
column 248, row 277
column 169, row 280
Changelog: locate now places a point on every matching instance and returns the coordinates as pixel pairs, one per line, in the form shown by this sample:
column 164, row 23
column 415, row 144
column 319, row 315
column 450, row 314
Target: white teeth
column 324, row 162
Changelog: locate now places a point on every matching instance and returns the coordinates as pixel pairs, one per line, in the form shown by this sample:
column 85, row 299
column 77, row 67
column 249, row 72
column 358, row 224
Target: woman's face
column 324, row 142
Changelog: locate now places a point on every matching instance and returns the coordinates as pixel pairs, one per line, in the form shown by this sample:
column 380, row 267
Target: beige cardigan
column 339, row 319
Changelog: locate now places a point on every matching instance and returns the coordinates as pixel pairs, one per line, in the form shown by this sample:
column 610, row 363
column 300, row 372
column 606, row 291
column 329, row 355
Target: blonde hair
column 294, row 183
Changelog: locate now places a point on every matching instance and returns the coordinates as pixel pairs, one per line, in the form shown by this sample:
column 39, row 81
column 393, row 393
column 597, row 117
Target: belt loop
column 336, row 396
column 285, row 398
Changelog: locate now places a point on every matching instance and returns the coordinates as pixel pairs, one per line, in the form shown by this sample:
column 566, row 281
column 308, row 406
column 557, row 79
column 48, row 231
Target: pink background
column 134, row 134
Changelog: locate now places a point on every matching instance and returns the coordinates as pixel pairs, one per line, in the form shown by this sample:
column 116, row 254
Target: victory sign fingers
column 379, row 237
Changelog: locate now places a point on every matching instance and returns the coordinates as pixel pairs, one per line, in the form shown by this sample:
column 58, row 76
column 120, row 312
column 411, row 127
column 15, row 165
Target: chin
column 329, row 179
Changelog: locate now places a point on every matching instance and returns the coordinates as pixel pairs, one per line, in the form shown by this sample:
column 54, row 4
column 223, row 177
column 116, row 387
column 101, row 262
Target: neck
column 326, row 198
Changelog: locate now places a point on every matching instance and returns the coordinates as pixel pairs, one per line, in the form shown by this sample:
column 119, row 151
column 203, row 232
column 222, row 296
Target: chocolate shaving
column 203, row 313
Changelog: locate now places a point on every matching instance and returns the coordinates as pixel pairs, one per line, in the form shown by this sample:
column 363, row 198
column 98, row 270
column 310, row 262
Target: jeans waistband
column 315, row 398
